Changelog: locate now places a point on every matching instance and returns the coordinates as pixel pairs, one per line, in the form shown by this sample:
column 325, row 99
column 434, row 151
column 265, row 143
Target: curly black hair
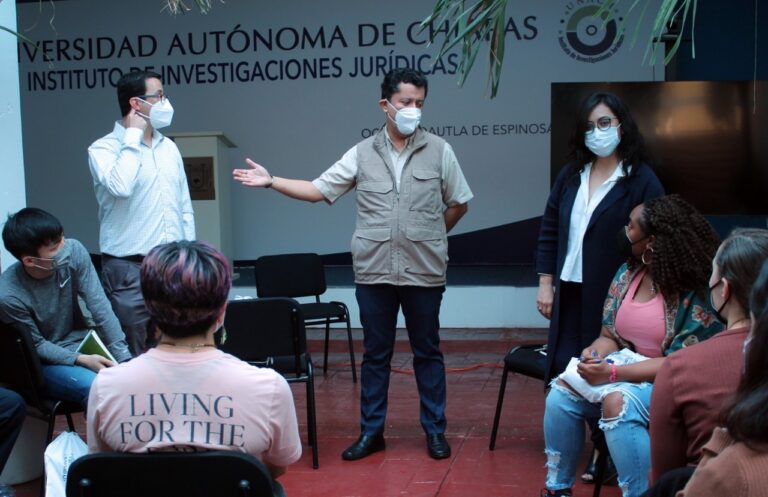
column 684, row 247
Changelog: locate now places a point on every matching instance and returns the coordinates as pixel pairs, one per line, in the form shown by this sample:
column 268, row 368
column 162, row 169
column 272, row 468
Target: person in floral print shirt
column 656, row 304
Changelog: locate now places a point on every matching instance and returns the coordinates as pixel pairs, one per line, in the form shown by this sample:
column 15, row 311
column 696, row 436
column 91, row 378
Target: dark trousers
column 379, row 305
column 120, row 279
column 13, row 410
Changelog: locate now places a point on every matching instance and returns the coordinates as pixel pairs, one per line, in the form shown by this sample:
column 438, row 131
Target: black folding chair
column 303, row 275
column 169, row 474
column 531, row 361
column 270, row 333
column 21, row 371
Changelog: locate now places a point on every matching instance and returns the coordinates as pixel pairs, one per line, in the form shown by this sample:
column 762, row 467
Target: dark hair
column 631, row 149
column 133, row 84
column 393, row 78
column 684, row 247
column 185, row 285
column 28, row 230
column 739, row 258
column 745, row 416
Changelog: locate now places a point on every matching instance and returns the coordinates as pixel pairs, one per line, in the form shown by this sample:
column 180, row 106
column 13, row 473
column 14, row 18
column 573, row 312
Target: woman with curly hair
column 656, row 304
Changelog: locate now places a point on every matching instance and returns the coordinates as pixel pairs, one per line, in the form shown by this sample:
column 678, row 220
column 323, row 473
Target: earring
column 642, row 256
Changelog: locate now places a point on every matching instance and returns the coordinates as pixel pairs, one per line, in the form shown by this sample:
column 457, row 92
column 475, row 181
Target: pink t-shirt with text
column 190, row 401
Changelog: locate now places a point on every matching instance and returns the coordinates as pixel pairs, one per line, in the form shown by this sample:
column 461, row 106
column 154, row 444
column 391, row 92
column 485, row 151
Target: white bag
column 594, row 393
column 58, row 456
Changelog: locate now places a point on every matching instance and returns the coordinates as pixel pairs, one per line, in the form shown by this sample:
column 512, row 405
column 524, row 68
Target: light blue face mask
column 406, row 119
column 603, row 142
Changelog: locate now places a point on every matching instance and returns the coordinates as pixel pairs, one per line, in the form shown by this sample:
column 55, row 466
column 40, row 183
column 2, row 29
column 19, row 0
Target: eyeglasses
column 159, row 95
column 602, row 124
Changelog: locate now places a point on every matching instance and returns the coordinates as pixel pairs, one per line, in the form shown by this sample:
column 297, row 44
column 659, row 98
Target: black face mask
column 716, row 311
column 624, row 244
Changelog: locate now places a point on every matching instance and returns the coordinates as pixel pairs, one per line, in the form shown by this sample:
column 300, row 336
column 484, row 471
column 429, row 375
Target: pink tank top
column 642, row 323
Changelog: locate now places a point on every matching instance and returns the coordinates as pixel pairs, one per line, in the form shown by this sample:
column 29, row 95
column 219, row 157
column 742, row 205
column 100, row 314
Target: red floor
column 473, row 358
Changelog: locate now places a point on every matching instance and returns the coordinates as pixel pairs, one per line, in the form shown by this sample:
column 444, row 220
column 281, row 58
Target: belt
column 138, row 259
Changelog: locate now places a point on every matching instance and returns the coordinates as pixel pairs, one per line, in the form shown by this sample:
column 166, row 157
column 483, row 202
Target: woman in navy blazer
column 609, row 175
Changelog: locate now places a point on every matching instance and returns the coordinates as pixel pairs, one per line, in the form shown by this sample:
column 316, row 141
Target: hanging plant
column 473, row 24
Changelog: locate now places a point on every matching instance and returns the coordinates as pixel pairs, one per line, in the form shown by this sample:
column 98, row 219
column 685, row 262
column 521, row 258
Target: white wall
column 12, row 190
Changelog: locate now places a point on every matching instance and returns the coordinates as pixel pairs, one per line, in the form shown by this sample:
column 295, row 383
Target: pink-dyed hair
column 185, row 285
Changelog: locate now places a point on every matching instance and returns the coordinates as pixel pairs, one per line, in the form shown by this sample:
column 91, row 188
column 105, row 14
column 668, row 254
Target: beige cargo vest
column 400, row 236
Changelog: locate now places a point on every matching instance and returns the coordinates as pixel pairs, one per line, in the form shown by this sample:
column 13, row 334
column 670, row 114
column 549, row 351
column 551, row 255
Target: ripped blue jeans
column 626, row 435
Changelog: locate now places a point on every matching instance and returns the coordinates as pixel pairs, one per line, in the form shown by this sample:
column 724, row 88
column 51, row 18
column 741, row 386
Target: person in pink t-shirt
column 185, row 394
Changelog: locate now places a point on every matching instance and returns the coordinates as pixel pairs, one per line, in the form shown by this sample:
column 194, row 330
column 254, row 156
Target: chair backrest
column 290, row 275
column 267, row 332
column 20, row 368
column 169, row 474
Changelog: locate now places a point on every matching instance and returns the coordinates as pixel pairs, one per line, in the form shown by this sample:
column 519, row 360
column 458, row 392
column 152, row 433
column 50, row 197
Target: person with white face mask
column 590, row 201
column 141, row 188
column 39, row 296
column 410, row 193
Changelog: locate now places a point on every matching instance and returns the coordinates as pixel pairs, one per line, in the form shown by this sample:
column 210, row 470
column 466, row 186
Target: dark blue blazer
column 600, row 255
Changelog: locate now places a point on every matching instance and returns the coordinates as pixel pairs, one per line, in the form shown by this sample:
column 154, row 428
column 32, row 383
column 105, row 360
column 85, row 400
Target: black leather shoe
column 364, row 447
column 438, row 446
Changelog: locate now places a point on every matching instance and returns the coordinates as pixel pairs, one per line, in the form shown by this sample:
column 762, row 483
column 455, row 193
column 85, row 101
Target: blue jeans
column 626, row 435
column 71, row 383
column 379, row 305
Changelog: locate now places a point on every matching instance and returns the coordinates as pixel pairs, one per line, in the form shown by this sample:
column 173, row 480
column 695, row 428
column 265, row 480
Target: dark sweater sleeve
column 90, row 290
column 18, row 315
column 546, row 250
column 668, row 435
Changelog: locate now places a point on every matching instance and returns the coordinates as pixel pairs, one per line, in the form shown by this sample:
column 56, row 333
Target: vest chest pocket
column 372, row 251
column 375, row 196
column 426, row 191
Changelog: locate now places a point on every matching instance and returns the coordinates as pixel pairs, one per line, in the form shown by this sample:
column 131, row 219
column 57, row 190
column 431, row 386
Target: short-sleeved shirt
column 341, row 176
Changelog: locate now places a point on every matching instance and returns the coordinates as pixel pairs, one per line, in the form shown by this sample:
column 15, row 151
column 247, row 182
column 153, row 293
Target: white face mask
column 406, row 119
column 160, row 115
column 603, row 142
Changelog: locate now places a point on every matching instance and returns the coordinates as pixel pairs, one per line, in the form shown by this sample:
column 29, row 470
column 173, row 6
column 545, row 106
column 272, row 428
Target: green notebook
column 92, row 344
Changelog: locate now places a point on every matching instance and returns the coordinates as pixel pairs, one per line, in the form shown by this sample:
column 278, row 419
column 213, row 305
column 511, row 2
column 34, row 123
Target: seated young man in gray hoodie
column 39, row 295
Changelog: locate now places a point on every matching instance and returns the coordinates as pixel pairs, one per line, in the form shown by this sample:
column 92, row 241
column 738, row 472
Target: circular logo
column 587, row 38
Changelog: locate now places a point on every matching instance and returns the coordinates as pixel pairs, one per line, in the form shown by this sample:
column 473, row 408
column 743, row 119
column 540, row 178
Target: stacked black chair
column 303, row 275
column 270, row 332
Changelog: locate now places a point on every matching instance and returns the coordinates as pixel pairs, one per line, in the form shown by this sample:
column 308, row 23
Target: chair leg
column 602, row 462
column 312, row 414
column 327, row 340
column 351, row 351
column 497, row 416
column 70, row 422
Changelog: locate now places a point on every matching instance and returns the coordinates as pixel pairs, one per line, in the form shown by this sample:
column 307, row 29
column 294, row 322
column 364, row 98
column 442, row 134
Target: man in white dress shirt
column 141, row 187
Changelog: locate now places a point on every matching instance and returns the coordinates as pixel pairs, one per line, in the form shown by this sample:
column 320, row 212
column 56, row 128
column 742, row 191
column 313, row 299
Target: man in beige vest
column 410, row 193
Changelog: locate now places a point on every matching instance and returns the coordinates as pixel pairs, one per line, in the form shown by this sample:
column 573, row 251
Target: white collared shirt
column 583, row 207
column 142, row 192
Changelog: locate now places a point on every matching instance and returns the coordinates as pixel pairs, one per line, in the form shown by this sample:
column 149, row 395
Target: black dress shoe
column 364, row 447
column 438, row 446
